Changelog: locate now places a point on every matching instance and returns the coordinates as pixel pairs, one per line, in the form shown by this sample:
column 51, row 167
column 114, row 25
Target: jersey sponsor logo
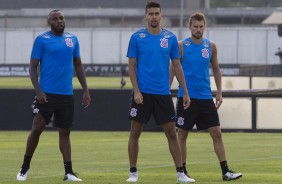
column 166, row 35
column 46, row 36
column 206, row 44
column 187, row 43
column 142, row 35
column 164, row 43
column 68, row 35
column 133, row 112
column 69, row 42
column 205, row 53
column 180, row 121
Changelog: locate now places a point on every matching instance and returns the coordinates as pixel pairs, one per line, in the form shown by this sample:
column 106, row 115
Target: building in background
column 128, row 13
column 246, row 46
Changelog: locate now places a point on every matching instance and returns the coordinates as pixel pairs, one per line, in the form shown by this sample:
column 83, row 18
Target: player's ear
column 48, row 20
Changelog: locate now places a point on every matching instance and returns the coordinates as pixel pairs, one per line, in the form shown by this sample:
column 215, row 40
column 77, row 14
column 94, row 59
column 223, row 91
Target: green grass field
column 101, row 158
column 93, row 82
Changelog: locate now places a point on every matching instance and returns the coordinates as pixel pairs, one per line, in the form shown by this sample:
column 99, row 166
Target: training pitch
column 93, row 83
column 101, row 158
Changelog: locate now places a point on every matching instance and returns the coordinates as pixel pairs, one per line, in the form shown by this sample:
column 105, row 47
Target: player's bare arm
column 86, row 99
column 138, row 98
column 180, row 78
column 33, row 67
column 171, row 69
column 217, row 75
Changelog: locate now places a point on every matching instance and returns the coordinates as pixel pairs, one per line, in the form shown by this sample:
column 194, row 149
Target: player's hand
column 138, row 98
column 41, row 97
column 186, row 101
column 218, row 101
column 86, row 101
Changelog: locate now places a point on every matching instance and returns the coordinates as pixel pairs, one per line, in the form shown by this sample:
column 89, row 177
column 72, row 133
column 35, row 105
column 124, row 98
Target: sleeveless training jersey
column 153, row 54
column 196, row 63
column 56, row 55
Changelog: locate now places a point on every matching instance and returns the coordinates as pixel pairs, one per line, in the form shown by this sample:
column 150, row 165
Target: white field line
column 147, row 167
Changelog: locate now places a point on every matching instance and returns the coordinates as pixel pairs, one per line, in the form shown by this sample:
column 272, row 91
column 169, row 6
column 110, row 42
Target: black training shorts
column 161, row 106
column 201, row 112
column 61, row 106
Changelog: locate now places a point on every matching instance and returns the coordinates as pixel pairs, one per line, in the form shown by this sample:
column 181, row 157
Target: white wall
column 2, row 47
column 109, row 45
column 267, row 83
column 236, row 113
column 269, row 114
column 18, row 46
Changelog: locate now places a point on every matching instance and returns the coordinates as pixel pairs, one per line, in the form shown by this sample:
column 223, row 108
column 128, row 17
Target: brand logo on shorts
column 180, row 121
column 35, row 111
column 133, row 112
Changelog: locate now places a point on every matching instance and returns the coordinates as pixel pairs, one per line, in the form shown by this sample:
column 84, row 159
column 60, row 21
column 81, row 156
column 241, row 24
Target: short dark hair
column 49, row 15
column 197, row 16
column 152, row 4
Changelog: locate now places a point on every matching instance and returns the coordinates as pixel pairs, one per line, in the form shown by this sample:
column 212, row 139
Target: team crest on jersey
column 180, row 121
column 205, row 53
column 166, row 35
column 164, row 42
column 133, row 112
column 206, row 44
column 187, row 43
column 142, row 35
column 69, row 42
column 46, row 36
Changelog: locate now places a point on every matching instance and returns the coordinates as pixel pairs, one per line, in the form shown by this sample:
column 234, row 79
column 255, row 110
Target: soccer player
column 197, row 53
column 57, row 54
column 149, row 52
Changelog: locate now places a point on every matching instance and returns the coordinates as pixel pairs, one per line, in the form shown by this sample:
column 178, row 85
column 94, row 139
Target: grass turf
column 101, row 157
column 93, row 83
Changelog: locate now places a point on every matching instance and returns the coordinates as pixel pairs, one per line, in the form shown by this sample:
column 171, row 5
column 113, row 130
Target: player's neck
column 154, row 31
column 196, row 40
column 56, row 33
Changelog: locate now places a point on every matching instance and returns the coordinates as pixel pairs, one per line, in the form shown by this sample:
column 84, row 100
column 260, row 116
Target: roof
column 274, row 18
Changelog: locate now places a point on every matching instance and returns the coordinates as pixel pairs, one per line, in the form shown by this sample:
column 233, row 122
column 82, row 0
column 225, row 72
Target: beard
column 154, row 24
column 198, row 35
column 58, row 29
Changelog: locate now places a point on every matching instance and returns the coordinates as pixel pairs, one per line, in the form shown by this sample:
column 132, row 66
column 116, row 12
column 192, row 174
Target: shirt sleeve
column 174, row 49
column 132, row 51
column 37, row 48
column 76, row 52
